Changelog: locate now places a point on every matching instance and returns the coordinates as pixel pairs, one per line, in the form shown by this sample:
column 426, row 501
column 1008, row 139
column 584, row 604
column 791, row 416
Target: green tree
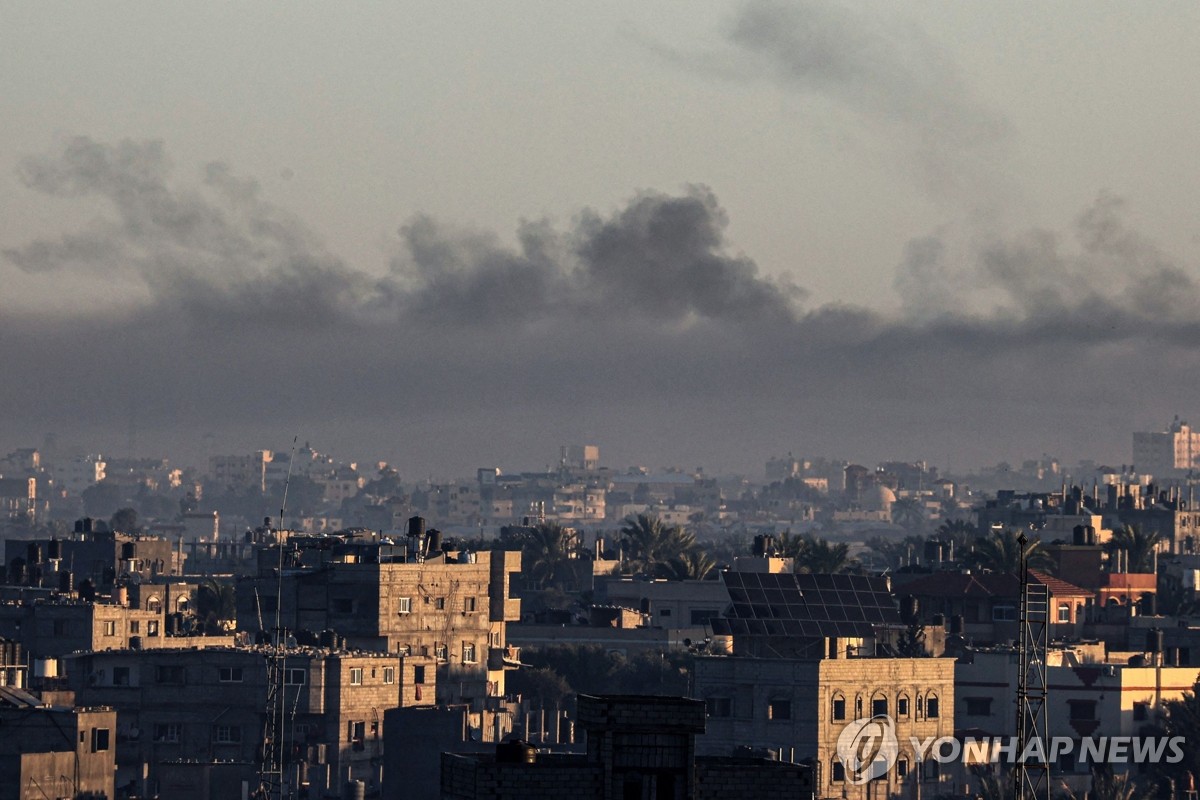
column 546, row 549
column 1001, row 552
column 545, row 687
column 215, row 606
column 909, row 513
column 690, row 565
column 649, row 543
column 813, row 554
column 1140, row 546
column 959, row 531
column 897, row 553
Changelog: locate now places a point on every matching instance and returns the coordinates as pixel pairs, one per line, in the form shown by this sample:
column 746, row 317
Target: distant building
column 1167, row 454
column 580, row 457
column 80, row 473
column 240, row 472
column 18, row 498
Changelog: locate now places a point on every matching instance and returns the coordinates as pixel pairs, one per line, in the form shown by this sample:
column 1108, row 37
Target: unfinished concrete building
column 211, row 705
column 410, row 598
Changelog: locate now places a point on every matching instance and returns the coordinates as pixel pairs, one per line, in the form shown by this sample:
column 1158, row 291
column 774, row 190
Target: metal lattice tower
column 270, row 771
column 1031, row 778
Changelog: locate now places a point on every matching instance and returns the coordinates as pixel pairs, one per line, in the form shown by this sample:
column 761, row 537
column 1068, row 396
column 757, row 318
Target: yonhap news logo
column 868, row 748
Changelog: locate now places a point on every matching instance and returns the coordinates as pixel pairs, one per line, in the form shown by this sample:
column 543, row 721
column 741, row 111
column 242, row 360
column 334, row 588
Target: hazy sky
column 455, row 234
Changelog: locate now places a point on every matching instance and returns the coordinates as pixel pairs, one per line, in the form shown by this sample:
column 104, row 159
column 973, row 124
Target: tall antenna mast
column 270, row 773
column 1031, row 779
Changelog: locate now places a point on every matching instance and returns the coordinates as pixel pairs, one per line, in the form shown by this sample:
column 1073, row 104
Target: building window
column 152, row 627
column 154, row 604
column 931, row 707
column 494, row 639
column 719, row 706
column 295, row 677
column 404, row 605
column 419, row 675
column 440, row 652
column 664, row 612
column 902, row 706
column 902, row 768
column 99, row 739
column 110, row 628
column 440, row 603
column 979, row 706
column 169, row 674
column 879, row 707
column 779, row 709
column 1004, row 614
column 1082, row 710
column 389, row 674
column 120, row 676
column 134, row 627
column 1064, row 612
column 920, row 707
column 468, row 653
column 357, row 731
column 468, row 604
column 839, row 772
column 227, row 734
column 839, row 708
column 229, row 674
column 167, row 732
column 356, row 676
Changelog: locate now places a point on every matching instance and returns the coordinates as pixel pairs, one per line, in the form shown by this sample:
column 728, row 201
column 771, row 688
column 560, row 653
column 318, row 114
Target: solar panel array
column 787, row 604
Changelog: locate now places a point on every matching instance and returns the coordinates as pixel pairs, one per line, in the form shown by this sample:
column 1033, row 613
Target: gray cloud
column 637, row 328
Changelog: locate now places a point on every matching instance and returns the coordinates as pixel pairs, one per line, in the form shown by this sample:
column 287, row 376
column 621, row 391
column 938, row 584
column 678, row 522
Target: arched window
column 858, row 707
column 838, row 773
column 879, row 704
column 181, row 605
column 902, row 705
column 153, row 603
column 931, row 706
column 837, row 710
column 920, row 707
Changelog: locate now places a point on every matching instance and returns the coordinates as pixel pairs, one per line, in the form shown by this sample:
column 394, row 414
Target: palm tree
column 545, row 550
column 649, row 542
column 1001, row 552
column 1140, row 547
column 215, row 606
column 813, row 554
column 690, row 565
column 896, row 553
column 958, row 531
column 908, row 513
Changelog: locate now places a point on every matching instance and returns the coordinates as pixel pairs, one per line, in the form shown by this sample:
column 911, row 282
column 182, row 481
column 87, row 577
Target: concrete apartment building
column 51, row 628
column 410, row 598
column 637, row 747
column 1167, row 454
column 1086, row 697
column 54, row 751
column 211, row 705
column 805, row 665
column 240, row 472
column 92, row 553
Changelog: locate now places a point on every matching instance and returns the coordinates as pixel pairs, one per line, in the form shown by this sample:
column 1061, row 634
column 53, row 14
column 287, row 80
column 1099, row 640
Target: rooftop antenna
column 1032, row 778
column 270, row 773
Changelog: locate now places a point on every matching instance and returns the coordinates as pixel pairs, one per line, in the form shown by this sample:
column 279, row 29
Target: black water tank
column 515, row 752
column 435, row 540
column 54, row 548
column 416, row 526
column 1154, row 640
column 33, row 553
column 66, row 582
column 128, row 550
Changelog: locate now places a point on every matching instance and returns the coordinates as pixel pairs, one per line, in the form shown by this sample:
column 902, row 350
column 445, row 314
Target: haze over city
column 455, row 235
